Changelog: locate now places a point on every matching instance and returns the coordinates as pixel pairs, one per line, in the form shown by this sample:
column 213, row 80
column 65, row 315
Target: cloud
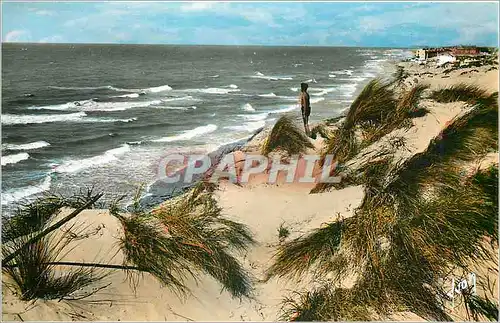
column 78, row 22
column 198, row 6
column 17, row 36
column 259, row 17
column 252, row 23
column 52, row 39
column 44, row 13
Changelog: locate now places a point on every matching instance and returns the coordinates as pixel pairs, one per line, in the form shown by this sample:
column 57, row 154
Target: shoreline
column 158, row 192
column 41, row 178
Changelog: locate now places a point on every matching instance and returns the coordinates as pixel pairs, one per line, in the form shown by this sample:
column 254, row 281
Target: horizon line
column 244, row 45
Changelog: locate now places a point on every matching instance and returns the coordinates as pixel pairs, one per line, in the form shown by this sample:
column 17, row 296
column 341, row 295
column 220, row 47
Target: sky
column 396, row 24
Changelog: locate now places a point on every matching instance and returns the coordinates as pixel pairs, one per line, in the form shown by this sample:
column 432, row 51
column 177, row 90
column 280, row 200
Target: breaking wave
column 29, row 146
column 190, row 134
column 76, row 165
column 14, row 159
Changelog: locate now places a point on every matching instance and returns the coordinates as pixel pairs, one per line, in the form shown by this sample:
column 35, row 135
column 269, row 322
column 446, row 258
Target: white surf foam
column 182, row 98
column 87, row 88
column 18, row 194
column 248, row 126
column 283, row 110
column 13, row 119
column 212, row 90
column 332, row 75
column 193, row 107
column 13, row 159
column 247, row 107
column 316, row 100
column 347, row 90
column 29, row 146
column 132, row 96
column 90, row 105
column 80, row 117
column 294, row 89
column 157, row 89
column 190, row 134
column 215, row 76
column 254, row 117
column 343, row 72
column 233, row 86
column 154, row 89
column 355, row 79
column 259, row 75
column 321, row 91
column 127, row 120
column 268, row 95
column 72, row 166
column 134, row 143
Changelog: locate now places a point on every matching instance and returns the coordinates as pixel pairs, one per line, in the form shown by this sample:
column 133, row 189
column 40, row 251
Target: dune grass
column 283, row 232
column 185, row 236
column 326, row 303
column 375, row 102
column 368, row 108
column 408, row 101
column 321, row 130
column 399, row 75
column 418, row 220
column 36, row 275
column 288, row 137
column 480, row 308
column 30, row 217
column 31, row 252
column 376, row 112
column 459, row 92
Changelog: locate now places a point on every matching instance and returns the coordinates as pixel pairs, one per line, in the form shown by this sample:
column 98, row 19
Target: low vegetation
column 283, row 232
column 320, row 129
column 185, row 237
column 286, row 136
column 32, row 250
column 376, row 112
column 459, row 92
column 419, row 221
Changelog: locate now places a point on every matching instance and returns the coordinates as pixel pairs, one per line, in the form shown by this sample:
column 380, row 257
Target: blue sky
column 400, row 24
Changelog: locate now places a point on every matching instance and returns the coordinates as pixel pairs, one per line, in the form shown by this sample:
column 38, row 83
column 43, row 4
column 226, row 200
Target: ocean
column 104, row 115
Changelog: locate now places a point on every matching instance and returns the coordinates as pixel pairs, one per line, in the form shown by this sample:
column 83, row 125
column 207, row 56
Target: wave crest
column 72, row 166
column 13, row 159
column 189, row 134
column 29, row 146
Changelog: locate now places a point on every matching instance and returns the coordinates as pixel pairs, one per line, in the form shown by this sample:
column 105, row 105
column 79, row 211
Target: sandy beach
column 263, row 208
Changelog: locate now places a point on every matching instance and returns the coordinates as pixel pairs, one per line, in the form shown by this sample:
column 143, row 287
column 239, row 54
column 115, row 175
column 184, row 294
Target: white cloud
column 76, row 22
column 44, row 13
column 198, row 6
column 17, row 36
column 116, row 12
column 450, row 15
column 51, row 39
column 253, row 15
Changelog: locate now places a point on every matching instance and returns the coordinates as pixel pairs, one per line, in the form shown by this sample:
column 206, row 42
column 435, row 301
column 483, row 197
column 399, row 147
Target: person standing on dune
column 305, row 106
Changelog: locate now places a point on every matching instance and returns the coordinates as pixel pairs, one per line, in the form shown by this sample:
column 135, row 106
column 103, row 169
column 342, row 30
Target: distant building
column 427, row 53
column 465, row 51
column 445, row 57
column 446, row 52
